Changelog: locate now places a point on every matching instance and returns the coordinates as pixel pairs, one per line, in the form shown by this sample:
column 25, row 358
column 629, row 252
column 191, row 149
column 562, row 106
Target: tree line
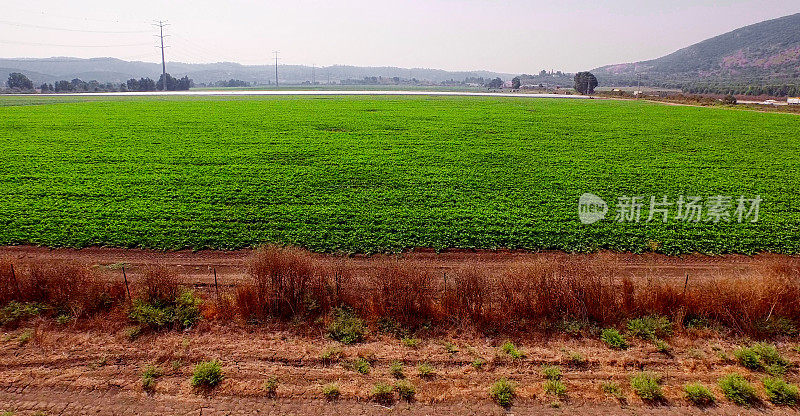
column 21, row 83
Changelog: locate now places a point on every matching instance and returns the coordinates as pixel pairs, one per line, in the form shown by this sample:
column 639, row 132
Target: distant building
column 793, row 101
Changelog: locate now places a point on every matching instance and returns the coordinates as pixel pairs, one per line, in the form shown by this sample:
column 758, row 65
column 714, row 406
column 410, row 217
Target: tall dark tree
column 515, row 83
column 19, row 81
column 495, row 83
column 585, row 82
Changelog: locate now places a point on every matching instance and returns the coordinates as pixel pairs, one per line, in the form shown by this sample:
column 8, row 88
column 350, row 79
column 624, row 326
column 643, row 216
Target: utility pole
column 161, row 25
column 276, row 68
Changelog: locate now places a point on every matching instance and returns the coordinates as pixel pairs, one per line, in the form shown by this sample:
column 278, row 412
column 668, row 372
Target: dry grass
column 290, row 283
column 66, row 287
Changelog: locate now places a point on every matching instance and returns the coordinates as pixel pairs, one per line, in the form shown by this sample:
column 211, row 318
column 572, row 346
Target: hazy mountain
column 116, row 70
column 764, row 52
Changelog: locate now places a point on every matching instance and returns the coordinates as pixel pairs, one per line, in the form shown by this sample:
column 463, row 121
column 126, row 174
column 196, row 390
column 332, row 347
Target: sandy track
column 198, row 266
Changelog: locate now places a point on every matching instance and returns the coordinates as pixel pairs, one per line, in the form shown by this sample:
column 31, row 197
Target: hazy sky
column 505, row 36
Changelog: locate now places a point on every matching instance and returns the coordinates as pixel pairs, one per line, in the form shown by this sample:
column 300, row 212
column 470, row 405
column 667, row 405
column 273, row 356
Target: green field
column 368, row 174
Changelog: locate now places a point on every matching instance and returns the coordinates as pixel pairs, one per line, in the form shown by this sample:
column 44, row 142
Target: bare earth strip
column 73, row 371
column 198, row 266
column 93, row 368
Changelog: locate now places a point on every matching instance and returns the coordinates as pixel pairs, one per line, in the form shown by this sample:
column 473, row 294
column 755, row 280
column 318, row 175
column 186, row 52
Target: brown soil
column 198, row 266
column 93, row 368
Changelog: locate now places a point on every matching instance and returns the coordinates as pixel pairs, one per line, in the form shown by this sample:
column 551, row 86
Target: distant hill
column 117, row 71
column 766, row 52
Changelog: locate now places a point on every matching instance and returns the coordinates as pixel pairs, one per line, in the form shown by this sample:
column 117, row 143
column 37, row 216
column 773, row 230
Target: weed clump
column 331, row 392
column 396, row 369
column 738, row 390
column 551, row 372
column 271, row 387
column 181, row 312
column 762, row 357
column 609, row 387
column 614, row 339
column 426, row 370
column 405, row 390
column 361, row 366
column 346, row 327
column 503, row 392
column 382, row 393
column 512, row 351
column 698, row 394
column 556, row 388
column 331, row 355
column 647, row 385
column 650, row 328
column 15, row 311
column 149, row 376
column 207, row 374
column 780, row 392
column 410, row 342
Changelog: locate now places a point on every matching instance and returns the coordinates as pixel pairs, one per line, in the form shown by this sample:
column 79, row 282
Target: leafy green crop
column 372, row 174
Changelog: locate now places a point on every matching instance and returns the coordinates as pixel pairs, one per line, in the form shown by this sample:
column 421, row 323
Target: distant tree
column 46, row 87
column 495, row 83
column 79, row 85
column 585, row 82
column 174, row 84
column 543, row 73
column 729, row 99
column 63, row 86
column 19, row 81
column 515, row 83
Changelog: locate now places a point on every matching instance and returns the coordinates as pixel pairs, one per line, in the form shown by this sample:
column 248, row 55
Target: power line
column 4, row 22
column 71, row 46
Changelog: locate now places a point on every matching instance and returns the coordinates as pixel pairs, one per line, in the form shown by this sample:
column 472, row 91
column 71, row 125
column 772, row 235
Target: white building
column 793, row 101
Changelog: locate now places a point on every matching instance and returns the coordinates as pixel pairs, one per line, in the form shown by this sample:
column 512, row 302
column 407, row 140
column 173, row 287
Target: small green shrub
column 609, row 387
column 207, row 374
column 149, row 376
column 382, row 393
column 361, row 366
column 450, row 348
column 748, row 358
column 183, row 312
column 780, row 392
column 551, row 372
column 576, row 359
column 647, row 385
column 346, row 327
column 478, row 363
column 512, row 351
column 15, row 311
column 503, row 392
column 63, row 319
column 331, row 392
column 614, row 339
column 396, row 369
column 555, row 388
column 331, row 355
column 410, row 342
column 662, row 346
column 738, row 390
column 650, row 327
column 405, row 390
column 271, row 387
column 762, row 357
column 698, row 394
column 426, row 370
column 25, row 337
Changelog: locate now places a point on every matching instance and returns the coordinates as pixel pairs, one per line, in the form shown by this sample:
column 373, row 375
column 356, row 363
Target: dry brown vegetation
column 289, row 283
